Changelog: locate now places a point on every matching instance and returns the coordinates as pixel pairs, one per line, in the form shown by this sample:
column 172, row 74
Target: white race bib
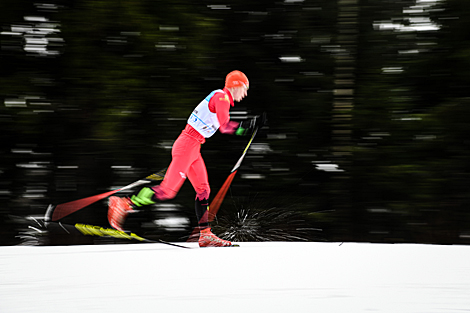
column 202, row 119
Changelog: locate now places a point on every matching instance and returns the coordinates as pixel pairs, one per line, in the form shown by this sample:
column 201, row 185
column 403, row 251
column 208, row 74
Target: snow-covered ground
column 256, row 277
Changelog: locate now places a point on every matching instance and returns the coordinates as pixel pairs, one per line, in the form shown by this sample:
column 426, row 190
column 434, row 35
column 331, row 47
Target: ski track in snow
column 257, row 277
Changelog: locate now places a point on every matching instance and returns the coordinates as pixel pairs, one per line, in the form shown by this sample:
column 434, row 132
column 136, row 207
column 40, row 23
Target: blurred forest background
column 368, row 104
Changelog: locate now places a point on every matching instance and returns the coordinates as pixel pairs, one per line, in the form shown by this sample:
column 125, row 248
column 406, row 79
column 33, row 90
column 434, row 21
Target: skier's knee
column 163, row 194
column 203, row 194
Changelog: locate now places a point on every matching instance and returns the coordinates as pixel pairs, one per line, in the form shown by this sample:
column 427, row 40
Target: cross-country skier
column 209, row 116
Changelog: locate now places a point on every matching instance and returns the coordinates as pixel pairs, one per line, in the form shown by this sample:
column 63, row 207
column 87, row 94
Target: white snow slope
column 256, row 277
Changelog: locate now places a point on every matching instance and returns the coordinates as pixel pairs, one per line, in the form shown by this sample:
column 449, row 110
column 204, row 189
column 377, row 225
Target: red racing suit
column 186, row 156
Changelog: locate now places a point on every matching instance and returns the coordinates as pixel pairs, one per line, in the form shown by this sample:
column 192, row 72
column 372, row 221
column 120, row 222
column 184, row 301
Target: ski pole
column 244, row 151
column 219, row 198
column 55, row 213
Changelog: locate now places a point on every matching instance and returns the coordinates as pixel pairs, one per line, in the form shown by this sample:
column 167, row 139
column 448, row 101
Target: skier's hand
column 247, row 127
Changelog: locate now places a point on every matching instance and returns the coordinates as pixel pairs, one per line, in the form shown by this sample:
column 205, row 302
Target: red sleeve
column 220, row 104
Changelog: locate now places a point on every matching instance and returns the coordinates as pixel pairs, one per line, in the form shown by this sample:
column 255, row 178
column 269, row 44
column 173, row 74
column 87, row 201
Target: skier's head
column 237, row 83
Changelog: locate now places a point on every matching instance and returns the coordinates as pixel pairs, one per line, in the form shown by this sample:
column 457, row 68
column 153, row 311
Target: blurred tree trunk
column 343, row 104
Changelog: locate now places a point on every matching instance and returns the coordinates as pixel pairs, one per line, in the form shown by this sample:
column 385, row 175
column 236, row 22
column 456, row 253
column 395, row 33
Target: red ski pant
column 186, row 162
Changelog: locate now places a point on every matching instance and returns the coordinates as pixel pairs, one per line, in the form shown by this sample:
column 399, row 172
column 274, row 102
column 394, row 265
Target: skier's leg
column 197, row 175
column 185, row 151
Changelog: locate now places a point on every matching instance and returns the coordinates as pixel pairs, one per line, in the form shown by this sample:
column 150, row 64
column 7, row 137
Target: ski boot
column 118, row 209
column 208, row 239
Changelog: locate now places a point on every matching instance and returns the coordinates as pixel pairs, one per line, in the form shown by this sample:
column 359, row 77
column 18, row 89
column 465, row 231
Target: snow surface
column 256, row 277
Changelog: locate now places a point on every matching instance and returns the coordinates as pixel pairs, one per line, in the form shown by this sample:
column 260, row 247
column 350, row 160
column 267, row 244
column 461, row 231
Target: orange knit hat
column 236, row 79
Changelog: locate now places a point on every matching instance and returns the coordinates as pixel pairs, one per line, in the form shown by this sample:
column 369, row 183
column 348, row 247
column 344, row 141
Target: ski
column 93, row 230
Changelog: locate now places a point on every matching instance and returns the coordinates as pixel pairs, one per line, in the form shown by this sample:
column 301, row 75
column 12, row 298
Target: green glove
column 241, row 131
column 144, row 197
